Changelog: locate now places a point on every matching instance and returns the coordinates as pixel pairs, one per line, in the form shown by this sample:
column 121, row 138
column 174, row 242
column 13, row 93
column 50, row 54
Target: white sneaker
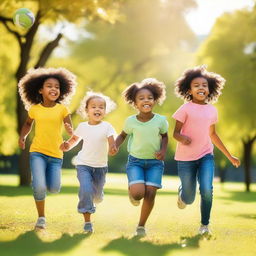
column 41, row 222
column 140, row 231
column 133, row 201
column 180, row 203
column 204, row 230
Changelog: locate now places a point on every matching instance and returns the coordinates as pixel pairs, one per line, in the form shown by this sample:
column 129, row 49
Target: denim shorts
column 46, row 174
column 147, row 171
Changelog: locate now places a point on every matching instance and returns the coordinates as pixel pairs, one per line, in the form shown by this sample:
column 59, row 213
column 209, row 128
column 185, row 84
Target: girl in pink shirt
column 195, row 133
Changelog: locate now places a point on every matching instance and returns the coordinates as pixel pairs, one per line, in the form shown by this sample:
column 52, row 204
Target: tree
column 152, row 40
column 231, row 52
column 51, row 13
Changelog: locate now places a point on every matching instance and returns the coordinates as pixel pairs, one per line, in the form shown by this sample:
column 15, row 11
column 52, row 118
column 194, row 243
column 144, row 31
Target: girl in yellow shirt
column 44, row 91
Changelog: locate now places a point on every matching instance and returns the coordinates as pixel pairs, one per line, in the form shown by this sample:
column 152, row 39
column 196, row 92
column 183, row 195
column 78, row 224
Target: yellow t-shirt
column 48, row 127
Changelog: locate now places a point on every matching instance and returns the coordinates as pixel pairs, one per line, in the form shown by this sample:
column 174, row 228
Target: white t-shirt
column 95, row 144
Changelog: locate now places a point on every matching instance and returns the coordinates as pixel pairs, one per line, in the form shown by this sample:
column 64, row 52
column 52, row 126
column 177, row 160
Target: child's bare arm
column 181, row 138
column 160, row 155
column 219, row 144
column 120, row 139
column 112, row 146
column 70, row 143
column 26, row 128
column 68, row 125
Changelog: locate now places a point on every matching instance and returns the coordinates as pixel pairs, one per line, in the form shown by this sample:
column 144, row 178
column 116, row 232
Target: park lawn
column 170, row 231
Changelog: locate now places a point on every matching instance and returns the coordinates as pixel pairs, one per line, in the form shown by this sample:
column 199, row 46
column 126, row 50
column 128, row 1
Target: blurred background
column 110, row 44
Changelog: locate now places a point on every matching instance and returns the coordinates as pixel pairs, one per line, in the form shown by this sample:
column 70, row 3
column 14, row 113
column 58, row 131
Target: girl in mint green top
column 147, row 145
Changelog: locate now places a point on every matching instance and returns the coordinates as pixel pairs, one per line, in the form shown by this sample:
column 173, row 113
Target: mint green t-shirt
column 145, row 137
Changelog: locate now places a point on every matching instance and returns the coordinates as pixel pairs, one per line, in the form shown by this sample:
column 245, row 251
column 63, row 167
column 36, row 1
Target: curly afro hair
column 215, row 83
column 153, row 85
column 33, row 81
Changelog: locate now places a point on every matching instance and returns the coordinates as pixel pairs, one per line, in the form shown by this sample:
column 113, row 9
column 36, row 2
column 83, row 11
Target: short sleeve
column 180, row 114
column 127, row 126
column 31, row 112
column 110, row 131
column 66, row 111
column 79, row 130
column 164, row 126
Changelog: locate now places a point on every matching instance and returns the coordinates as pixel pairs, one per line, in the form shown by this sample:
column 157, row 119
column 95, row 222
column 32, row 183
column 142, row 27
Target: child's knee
column 206, row 194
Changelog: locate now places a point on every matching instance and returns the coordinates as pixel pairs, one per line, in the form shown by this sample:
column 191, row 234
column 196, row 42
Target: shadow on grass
column 247, row 216
column 21, row 191
column 135, row 246
column 247, row 197
column 30, row 244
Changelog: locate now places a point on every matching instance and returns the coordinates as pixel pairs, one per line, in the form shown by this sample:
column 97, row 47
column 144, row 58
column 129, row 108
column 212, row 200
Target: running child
column 44, row 91
column 147, row 145
column 92, row 161
column 195, row 133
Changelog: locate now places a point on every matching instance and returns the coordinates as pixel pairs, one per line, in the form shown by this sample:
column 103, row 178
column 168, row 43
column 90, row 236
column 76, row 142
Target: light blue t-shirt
column 145, row 137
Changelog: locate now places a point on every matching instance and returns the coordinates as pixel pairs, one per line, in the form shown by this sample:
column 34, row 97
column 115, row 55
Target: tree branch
column 46, row 52
column 6, row 22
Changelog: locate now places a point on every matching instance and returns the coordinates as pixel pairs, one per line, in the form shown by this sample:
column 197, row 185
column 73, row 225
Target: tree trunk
column 24, row 173
column 248, row 145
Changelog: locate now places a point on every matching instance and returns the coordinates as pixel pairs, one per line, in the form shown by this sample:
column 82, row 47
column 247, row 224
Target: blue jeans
column 46, row 174
column 91, row 181
column 147, row 171
column 203, row 171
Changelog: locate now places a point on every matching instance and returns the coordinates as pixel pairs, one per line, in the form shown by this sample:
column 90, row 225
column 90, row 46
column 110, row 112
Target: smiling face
column 144, row 101
column 50, row 90
column 199, row 90
column 96, row 110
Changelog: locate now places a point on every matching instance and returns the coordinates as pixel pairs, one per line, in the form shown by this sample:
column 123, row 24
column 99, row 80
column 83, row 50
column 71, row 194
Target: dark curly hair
column 215, row 83
column 33, row 81
column 154, row 86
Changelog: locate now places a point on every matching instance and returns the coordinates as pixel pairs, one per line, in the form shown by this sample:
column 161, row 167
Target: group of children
column 45, row 91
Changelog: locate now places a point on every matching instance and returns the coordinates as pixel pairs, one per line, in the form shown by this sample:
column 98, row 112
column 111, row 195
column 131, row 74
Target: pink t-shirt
column 196, row 119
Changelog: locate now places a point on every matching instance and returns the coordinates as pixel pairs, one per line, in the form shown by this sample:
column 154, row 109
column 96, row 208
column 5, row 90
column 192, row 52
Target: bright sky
column 202, row 18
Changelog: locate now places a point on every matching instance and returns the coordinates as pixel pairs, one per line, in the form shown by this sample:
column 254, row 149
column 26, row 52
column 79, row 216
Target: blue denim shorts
column 147, row 171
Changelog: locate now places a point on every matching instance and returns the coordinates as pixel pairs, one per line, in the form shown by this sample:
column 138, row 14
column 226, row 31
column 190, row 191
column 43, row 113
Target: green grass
column 170, row 231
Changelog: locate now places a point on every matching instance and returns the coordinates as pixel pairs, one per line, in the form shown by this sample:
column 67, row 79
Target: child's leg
column 40, row 208
column 148, row 203
column 136, row 177
column 205, row 179
column 38, row 172
column 53, row 174
column 137, row 191
column 85, row 205
column 187, row 171
column 99, row 179
column 153, row 172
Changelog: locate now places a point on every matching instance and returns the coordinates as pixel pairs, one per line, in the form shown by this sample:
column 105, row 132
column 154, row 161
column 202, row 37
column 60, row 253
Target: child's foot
column 204, row 230
column 41, row 222
column 88, row 227
column 133, row 201
column 180, row 203
column 140, row 231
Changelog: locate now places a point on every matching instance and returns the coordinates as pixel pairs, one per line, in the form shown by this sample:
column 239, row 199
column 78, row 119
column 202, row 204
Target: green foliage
column 8, row 62
column 225, row 53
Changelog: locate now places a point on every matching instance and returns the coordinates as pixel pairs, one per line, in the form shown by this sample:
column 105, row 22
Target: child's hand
column 160, row 155
column 22, row 141
column 68, row 128
column 113, row 150
column 185, row 140
column 64, row 146
column 235, row 161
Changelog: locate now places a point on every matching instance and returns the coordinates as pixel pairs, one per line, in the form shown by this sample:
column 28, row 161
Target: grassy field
column 170, row 231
